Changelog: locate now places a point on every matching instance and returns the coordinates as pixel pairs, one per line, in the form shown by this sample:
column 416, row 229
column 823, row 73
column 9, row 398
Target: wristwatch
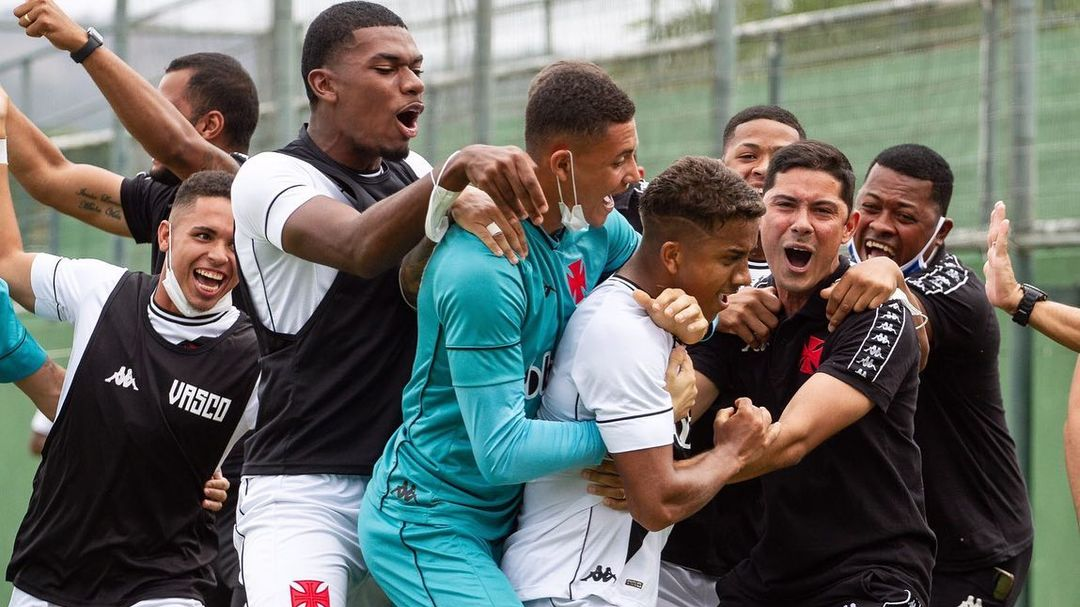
column 1032, row 295
column 93, row 42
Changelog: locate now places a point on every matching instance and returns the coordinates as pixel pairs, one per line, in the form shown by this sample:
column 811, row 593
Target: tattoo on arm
column 88, row 201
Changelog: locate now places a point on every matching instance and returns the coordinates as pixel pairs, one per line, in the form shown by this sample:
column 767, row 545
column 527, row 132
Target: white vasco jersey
column 268, row 189
column 609, row 367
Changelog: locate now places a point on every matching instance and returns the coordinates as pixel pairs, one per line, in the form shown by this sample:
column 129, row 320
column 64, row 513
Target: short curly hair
column 332, row 30
column 574, row 98
column 700, row 190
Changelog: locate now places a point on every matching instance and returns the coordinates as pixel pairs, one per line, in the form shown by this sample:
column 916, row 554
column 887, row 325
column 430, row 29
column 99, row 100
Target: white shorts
column 296, row 537
column 22, row 599
column 683, row 587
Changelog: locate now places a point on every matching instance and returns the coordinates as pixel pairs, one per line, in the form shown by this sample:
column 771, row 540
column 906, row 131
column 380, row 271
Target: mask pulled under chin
column 572, row 219
column 914, row 266
column 176, row 294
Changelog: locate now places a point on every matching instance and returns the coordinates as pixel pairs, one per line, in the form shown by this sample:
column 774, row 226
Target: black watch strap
column 1032, row 295
column 93, row 42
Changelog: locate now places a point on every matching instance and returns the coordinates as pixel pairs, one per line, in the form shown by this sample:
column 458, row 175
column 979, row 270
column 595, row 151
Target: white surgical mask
column 914, row 266
column 176, row 294
column 572, row 219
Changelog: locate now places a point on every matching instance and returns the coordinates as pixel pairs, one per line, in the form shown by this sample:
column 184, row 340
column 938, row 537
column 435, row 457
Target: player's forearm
column 11, row 243
column 152, row 120
column 787, row 450
column 43, row 387
column 660, row 503
column 1057, row 321
column 509, row 448
column 412, row 270
column 1072, row 440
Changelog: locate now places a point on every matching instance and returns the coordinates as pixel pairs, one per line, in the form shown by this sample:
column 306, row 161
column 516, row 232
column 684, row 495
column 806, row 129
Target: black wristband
column 1032, row 295
column 93, row 42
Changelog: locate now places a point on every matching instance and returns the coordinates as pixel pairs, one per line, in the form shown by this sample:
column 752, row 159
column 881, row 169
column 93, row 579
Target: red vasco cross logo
column 309, row 593
column 576, row 278
column 811, row 355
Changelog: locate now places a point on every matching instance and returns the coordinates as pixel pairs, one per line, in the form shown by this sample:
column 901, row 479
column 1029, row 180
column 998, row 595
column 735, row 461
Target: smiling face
column 714, row 265
column 806, row 221
column 752, row 146
column 602, row 168
column 374, row 91
column 201, row 252
column 897, row 216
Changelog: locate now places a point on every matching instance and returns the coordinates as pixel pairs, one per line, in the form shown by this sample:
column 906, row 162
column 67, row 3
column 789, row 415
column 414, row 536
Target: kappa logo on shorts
column 405, row 492
column 309, row 593
column 123, row 378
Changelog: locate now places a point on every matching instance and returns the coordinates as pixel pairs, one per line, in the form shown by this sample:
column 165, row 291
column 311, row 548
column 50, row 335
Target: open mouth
column 409, row 118
column 798, row 257
column 874, row 248
column 208, row 282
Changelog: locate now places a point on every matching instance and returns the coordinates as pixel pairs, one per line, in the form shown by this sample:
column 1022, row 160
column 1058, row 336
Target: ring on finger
column 26, row 19
column 494, row 229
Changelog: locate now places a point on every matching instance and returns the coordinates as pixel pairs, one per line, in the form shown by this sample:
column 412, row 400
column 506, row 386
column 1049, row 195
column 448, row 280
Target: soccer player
column 322, row 226
column 751, row 137
column 984, row 537
column 704, row 547
column 844, row 515
column 157, row 401
column 700, row 223
column 447, row 487
column 201, row 118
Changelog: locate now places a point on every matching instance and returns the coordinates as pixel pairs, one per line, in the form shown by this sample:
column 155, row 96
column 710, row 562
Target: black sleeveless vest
column 330, row 395
column 115, row 516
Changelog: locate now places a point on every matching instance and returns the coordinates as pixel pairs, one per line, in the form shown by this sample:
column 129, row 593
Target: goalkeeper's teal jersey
column 487, row 334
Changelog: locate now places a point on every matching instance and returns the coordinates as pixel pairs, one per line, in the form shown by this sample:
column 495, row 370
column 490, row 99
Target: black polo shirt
column 854, row 505
column 976, row 500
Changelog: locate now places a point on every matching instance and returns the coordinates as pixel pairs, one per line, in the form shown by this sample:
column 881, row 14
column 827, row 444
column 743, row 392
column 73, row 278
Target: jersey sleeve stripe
column 266, row 218
column 629, row 417
column 56, row 299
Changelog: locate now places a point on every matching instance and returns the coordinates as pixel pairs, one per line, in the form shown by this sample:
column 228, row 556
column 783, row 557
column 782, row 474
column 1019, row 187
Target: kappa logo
column 880, row 341
column 309, row 593
column 600, row 574
column 123, row 378
column 405, row 492
column 575, row 277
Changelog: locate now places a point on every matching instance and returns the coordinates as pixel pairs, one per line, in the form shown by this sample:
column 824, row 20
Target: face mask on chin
column 572, row 219
column 176, row 294
column 919, row 263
